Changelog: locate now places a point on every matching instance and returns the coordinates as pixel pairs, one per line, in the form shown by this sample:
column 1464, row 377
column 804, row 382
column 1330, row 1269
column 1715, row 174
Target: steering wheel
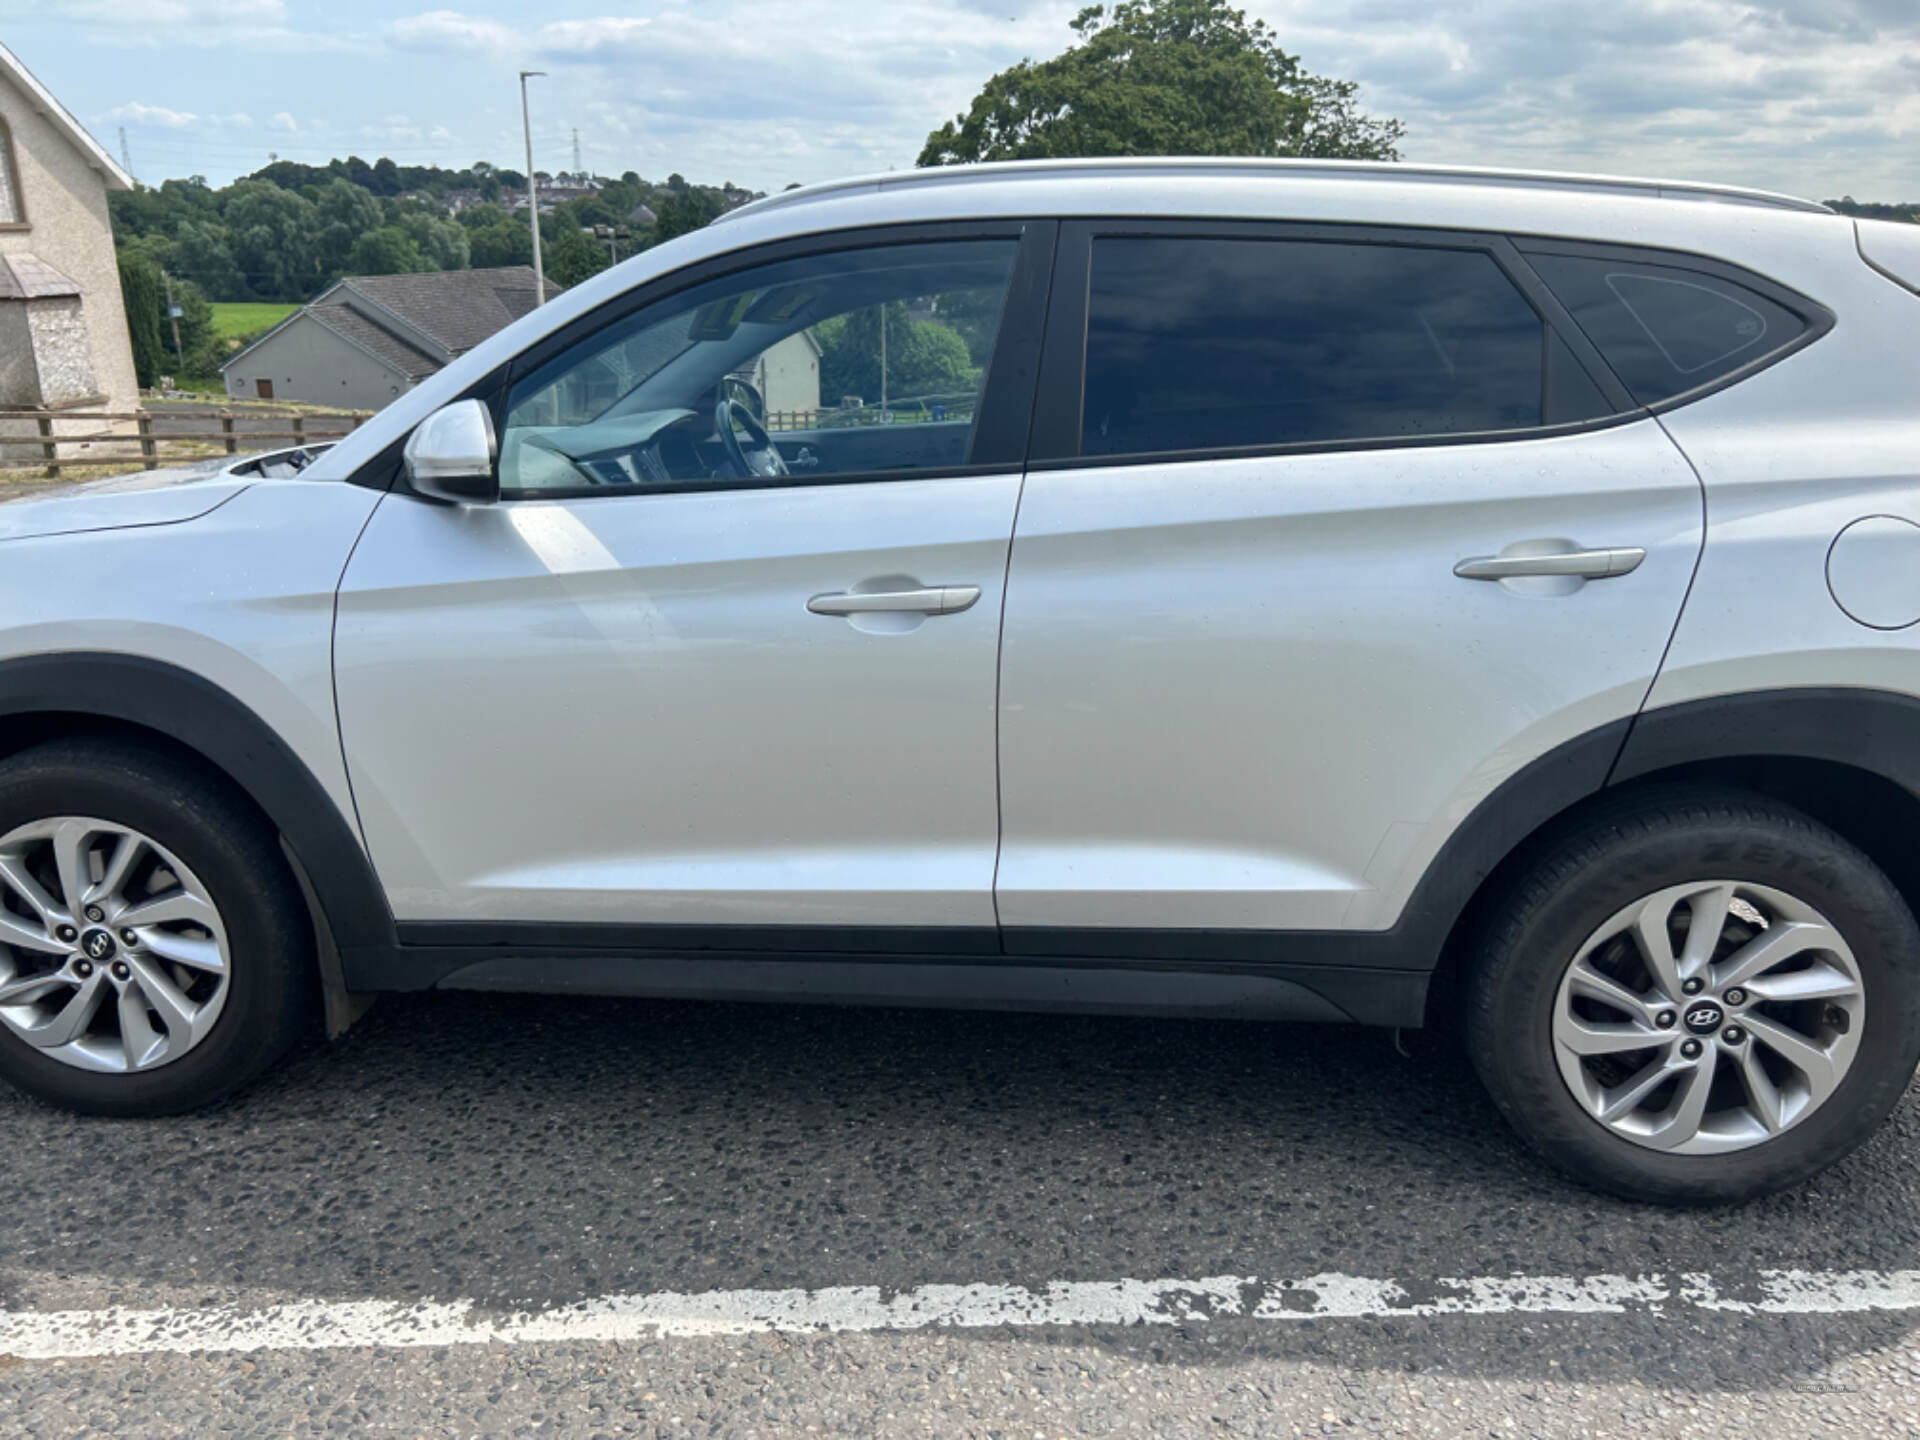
column 764, row 459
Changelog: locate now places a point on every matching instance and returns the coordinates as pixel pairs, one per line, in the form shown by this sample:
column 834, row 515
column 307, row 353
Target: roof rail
column 1384, row 171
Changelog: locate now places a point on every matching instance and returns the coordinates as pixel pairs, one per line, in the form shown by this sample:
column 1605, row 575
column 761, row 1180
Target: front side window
column 1665, row 329
column 825, row 365
column 1206, row 344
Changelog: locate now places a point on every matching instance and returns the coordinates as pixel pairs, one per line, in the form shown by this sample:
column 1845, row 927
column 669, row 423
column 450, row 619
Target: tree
column 506, row 242
column 202, row 348
column 204, row 254
column 684, row 210
column 922, row 358
column 388, row 250
column 345, row 213
column 273, row 232
column 1163, row 77
column 140, row 289
column 476, row 217
column 568, row 256
column 442, row 241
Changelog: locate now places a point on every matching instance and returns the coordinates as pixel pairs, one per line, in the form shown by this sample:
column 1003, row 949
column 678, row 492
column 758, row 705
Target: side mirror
column 451, row 455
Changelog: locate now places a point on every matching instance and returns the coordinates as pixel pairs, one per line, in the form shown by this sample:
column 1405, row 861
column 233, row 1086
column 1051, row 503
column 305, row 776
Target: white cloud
column 449, row 31
column 602, row 38
column 1814, row 96
column 1818, row 96
column 134, row 113
column 175, row 12
column 770, row 90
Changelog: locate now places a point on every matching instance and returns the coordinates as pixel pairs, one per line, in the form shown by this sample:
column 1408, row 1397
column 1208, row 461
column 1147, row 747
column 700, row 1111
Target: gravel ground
column 531, row 1152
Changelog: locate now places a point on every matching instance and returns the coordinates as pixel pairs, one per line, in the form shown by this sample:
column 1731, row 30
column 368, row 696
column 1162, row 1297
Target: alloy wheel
column 113, row 956
column 1708, row 1017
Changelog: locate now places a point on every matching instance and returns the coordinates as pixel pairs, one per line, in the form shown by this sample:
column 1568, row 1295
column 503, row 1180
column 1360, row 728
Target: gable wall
column 67, row 226
column 308, row 362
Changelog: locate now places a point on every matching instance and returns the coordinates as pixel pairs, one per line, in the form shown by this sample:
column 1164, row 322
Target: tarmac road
column 1328, row 1232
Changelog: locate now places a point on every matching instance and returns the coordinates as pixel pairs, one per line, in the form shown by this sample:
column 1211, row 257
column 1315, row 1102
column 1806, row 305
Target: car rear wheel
column 154, row 949
column 1696, row 998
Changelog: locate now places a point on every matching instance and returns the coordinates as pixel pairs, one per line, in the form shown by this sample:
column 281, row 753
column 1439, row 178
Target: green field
column 233, row 321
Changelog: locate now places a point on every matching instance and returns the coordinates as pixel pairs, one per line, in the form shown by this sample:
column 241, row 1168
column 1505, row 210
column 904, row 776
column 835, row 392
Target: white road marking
column 330, row 1325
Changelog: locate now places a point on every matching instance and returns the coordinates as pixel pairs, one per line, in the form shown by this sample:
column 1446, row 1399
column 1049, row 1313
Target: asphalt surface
column 530, row 1152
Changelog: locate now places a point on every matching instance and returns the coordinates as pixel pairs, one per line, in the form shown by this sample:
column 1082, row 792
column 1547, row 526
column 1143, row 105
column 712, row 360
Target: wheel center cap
column 1703, row 1017
column 97, row 944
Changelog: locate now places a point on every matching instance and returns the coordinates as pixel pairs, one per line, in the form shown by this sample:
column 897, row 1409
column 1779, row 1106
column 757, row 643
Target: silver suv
column 1283, row 590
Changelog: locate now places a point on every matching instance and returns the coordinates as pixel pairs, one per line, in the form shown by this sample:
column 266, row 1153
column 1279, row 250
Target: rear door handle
column 1586, row 564
column 931, row 600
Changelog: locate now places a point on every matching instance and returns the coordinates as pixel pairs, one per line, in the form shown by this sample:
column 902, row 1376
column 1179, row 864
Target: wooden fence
column 156, row 438
column 908, row 410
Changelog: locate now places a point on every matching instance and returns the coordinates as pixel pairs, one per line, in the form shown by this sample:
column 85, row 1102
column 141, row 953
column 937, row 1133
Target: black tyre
column 1695, row 998
column 155, row 950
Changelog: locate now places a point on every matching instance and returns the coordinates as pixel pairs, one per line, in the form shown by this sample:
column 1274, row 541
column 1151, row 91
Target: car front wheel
column 154, row 949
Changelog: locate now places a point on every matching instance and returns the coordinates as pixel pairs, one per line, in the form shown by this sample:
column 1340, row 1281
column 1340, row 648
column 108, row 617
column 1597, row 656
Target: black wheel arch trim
column 1873, row 730
column 201, row 717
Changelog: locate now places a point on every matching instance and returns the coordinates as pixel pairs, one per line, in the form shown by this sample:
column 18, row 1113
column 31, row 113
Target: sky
column 1814, row 97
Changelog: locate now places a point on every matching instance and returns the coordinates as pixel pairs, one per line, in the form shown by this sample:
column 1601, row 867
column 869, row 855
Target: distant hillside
column 1873, row 210
column 287, row 231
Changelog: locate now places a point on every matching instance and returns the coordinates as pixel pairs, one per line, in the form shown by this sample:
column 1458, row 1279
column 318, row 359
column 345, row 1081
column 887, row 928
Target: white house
column 787, row 374
column 63, row 327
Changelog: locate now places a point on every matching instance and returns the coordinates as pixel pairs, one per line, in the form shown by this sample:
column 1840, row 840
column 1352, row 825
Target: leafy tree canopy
column 1876, row 210
column 345, row 213
column 921, row 357
column 273, row 232
column 1163, row 77
column 568, row 254
column 505, row 242
column 289, row 230
column 388, row 250
column 140, row 290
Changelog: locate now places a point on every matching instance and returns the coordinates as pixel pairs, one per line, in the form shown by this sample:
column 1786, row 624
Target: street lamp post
column 533, row 191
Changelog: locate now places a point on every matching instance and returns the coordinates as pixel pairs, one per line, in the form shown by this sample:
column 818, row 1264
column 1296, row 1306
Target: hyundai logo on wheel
column 1704, row 1018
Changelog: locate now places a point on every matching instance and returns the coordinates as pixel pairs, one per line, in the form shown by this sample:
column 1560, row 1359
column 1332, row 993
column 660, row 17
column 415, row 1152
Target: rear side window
column 1665, row 329
column 1205, row 344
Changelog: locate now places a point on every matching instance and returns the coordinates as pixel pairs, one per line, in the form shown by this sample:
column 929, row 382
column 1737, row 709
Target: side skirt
column 958, row 981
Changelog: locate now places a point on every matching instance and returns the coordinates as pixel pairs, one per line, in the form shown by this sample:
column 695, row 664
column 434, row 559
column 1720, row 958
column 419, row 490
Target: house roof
column 28, row 277
column 58, row 116
column 390, row 315
column 351, row 325
column 456, row 309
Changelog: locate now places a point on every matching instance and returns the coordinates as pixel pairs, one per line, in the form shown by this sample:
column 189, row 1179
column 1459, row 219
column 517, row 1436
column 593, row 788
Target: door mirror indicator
column 451, row 455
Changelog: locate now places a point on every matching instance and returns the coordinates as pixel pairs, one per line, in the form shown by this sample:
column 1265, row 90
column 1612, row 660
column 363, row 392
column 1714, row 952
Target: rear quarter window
column 1667, row 329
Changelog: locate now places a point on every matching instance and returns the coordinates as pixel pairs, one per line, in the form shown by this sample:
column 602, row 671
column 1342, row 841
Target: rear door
column 1327, row 532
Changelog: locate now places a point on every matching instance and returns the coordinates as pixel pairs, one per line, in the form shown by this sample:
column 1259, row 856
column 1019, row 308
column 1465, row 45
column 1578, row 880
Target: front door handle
column 929, row 600
column 1584, row 564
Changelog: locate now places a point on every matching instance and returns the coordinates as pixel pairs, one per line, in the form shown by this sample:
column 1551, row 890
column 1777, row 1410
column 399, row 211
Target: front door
column 676, row 678
column 1252, row 674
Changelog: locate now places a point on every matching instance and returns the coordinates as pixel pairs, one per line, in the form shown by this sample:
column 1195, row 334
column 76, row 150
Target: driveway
column 847, row 1222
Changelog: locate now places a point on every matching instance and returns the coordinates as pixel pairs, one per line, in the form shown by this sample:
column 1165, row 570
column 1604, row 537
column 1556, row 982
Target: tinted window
column 836, row 364
column 1664, row 329
column 1200, row 344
